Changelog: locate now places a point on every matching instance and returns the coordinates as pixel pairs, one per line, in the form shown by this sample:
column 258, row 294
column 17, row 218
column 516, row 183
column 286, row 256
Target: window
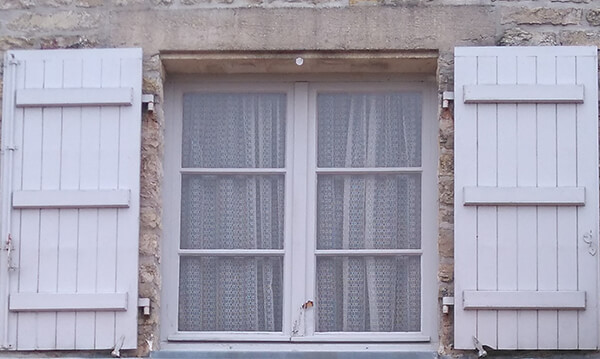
column 300, row 211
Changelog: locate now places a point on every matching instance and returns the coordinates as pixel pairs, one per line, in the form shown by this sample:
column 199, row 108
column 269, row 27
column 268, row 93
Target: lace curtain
column 220, row 211
column 369, row 211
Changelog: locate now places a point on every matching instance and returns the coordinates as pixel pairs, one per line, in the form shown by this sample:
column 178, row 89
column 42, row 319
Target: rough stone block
column 593, row 17
column 16, row 4
column 519, row 37
column 89, row 3
column 57, row 21
column 579, row 38
column 66, row 42
column 53, row 3
column 8, row 43
column 543, row 16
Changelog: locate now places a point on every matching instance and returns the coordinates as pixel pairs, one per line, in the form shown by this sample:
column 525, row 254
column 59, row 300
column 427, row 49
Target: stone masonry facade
column 275, row 25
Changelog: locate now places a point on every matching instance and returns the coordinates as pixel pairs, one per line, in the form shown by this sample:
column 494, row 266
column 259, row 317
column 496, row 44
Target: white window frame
column 300, row 185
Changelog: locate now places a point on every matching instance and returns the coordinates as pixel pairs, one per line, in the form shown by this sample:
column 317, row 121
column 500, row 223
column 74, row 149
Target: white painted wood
column 546, row 216
column 49, row 235
column 527, row 216
column 534, row 192
column 26, row 326
column 108, row 218
column 300, row 212
column 487, row 221
column 35, row 302
column 523, row 300
column 71, row 198
column 67, row 247
column 587, row 217
column 507, row 216
column 465, row 231
column 523, row 94
column 566, row 140
column 524, row 196
column 73, row 158
column 11, row 135
column 62, row 97
column 129, row 177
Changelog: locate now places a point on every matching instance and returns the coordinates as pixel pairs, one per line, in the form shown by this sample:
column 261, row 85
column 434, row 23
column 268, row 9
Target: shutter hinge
column 447, row 302
column 447, row 96
column 144, row 303
column 13, row 61
column 9, row 248
column 148, row 99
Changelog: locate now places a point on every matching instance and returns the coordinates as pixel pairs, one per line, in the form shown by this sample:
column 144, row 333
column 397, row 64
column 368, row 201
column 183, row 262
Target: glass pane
column 232, row 211
column 369, row 130
column 230, row 294
column 369, row 211
column 368, row 294
column 233, row 130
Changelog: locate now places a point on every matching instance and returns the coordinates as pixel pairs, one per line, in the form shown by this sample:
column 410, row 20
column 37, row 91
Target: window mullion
column 298, row 215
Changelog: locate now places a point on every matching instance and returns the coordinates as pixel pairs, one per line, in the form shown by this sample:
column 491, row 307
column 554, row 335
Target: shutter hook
column 588, row 239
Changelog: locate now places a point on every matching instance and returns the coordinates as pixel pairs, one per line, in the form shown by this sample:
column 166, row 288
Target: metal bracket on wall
column 144, row 303
column 148, row 99
column 447, row 96
column 447, row 302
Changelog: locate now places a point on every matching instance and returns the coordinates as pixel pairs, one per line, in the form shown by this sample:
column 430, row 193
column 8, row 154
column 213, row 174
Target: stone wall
column 265, row 25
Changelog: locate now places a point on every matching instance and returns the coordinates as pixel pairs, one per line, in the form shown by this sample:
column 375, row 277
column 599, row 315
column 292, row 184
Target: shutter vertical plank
column 527, row 216
column 465, row 244
column 587, row 217
column 88, row 218
column 507, row 216
column 107, row 218
column 129, row 169
column 546, row 220
column 69, row 218
column 566, row 137
column 487, row 216
column 17, row 176
column 30, row 228
column 49, row 218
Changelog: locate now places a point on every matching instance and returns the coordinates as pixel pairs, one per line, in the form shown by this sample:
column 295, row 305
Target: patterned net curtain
column 221, row 211
column 369, row 211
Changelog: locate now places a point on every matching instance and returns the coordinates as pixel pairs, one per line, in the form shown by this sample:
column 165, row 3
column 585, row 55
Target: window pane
column 230, row 294
column 233, row 130
column 368, row 294
column 232, row 211
column 369, row 130
column 369, row 211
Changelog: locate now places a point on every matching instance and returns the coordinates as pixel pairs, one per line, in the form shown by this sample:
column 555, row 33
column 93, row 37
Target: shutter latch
column 588, row 239
column 480, row 351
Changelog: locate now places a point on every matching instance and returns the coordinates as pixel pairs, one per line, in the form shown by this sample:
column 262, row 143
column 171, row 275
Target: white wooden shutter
column 70, row 199
column 526, row 197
